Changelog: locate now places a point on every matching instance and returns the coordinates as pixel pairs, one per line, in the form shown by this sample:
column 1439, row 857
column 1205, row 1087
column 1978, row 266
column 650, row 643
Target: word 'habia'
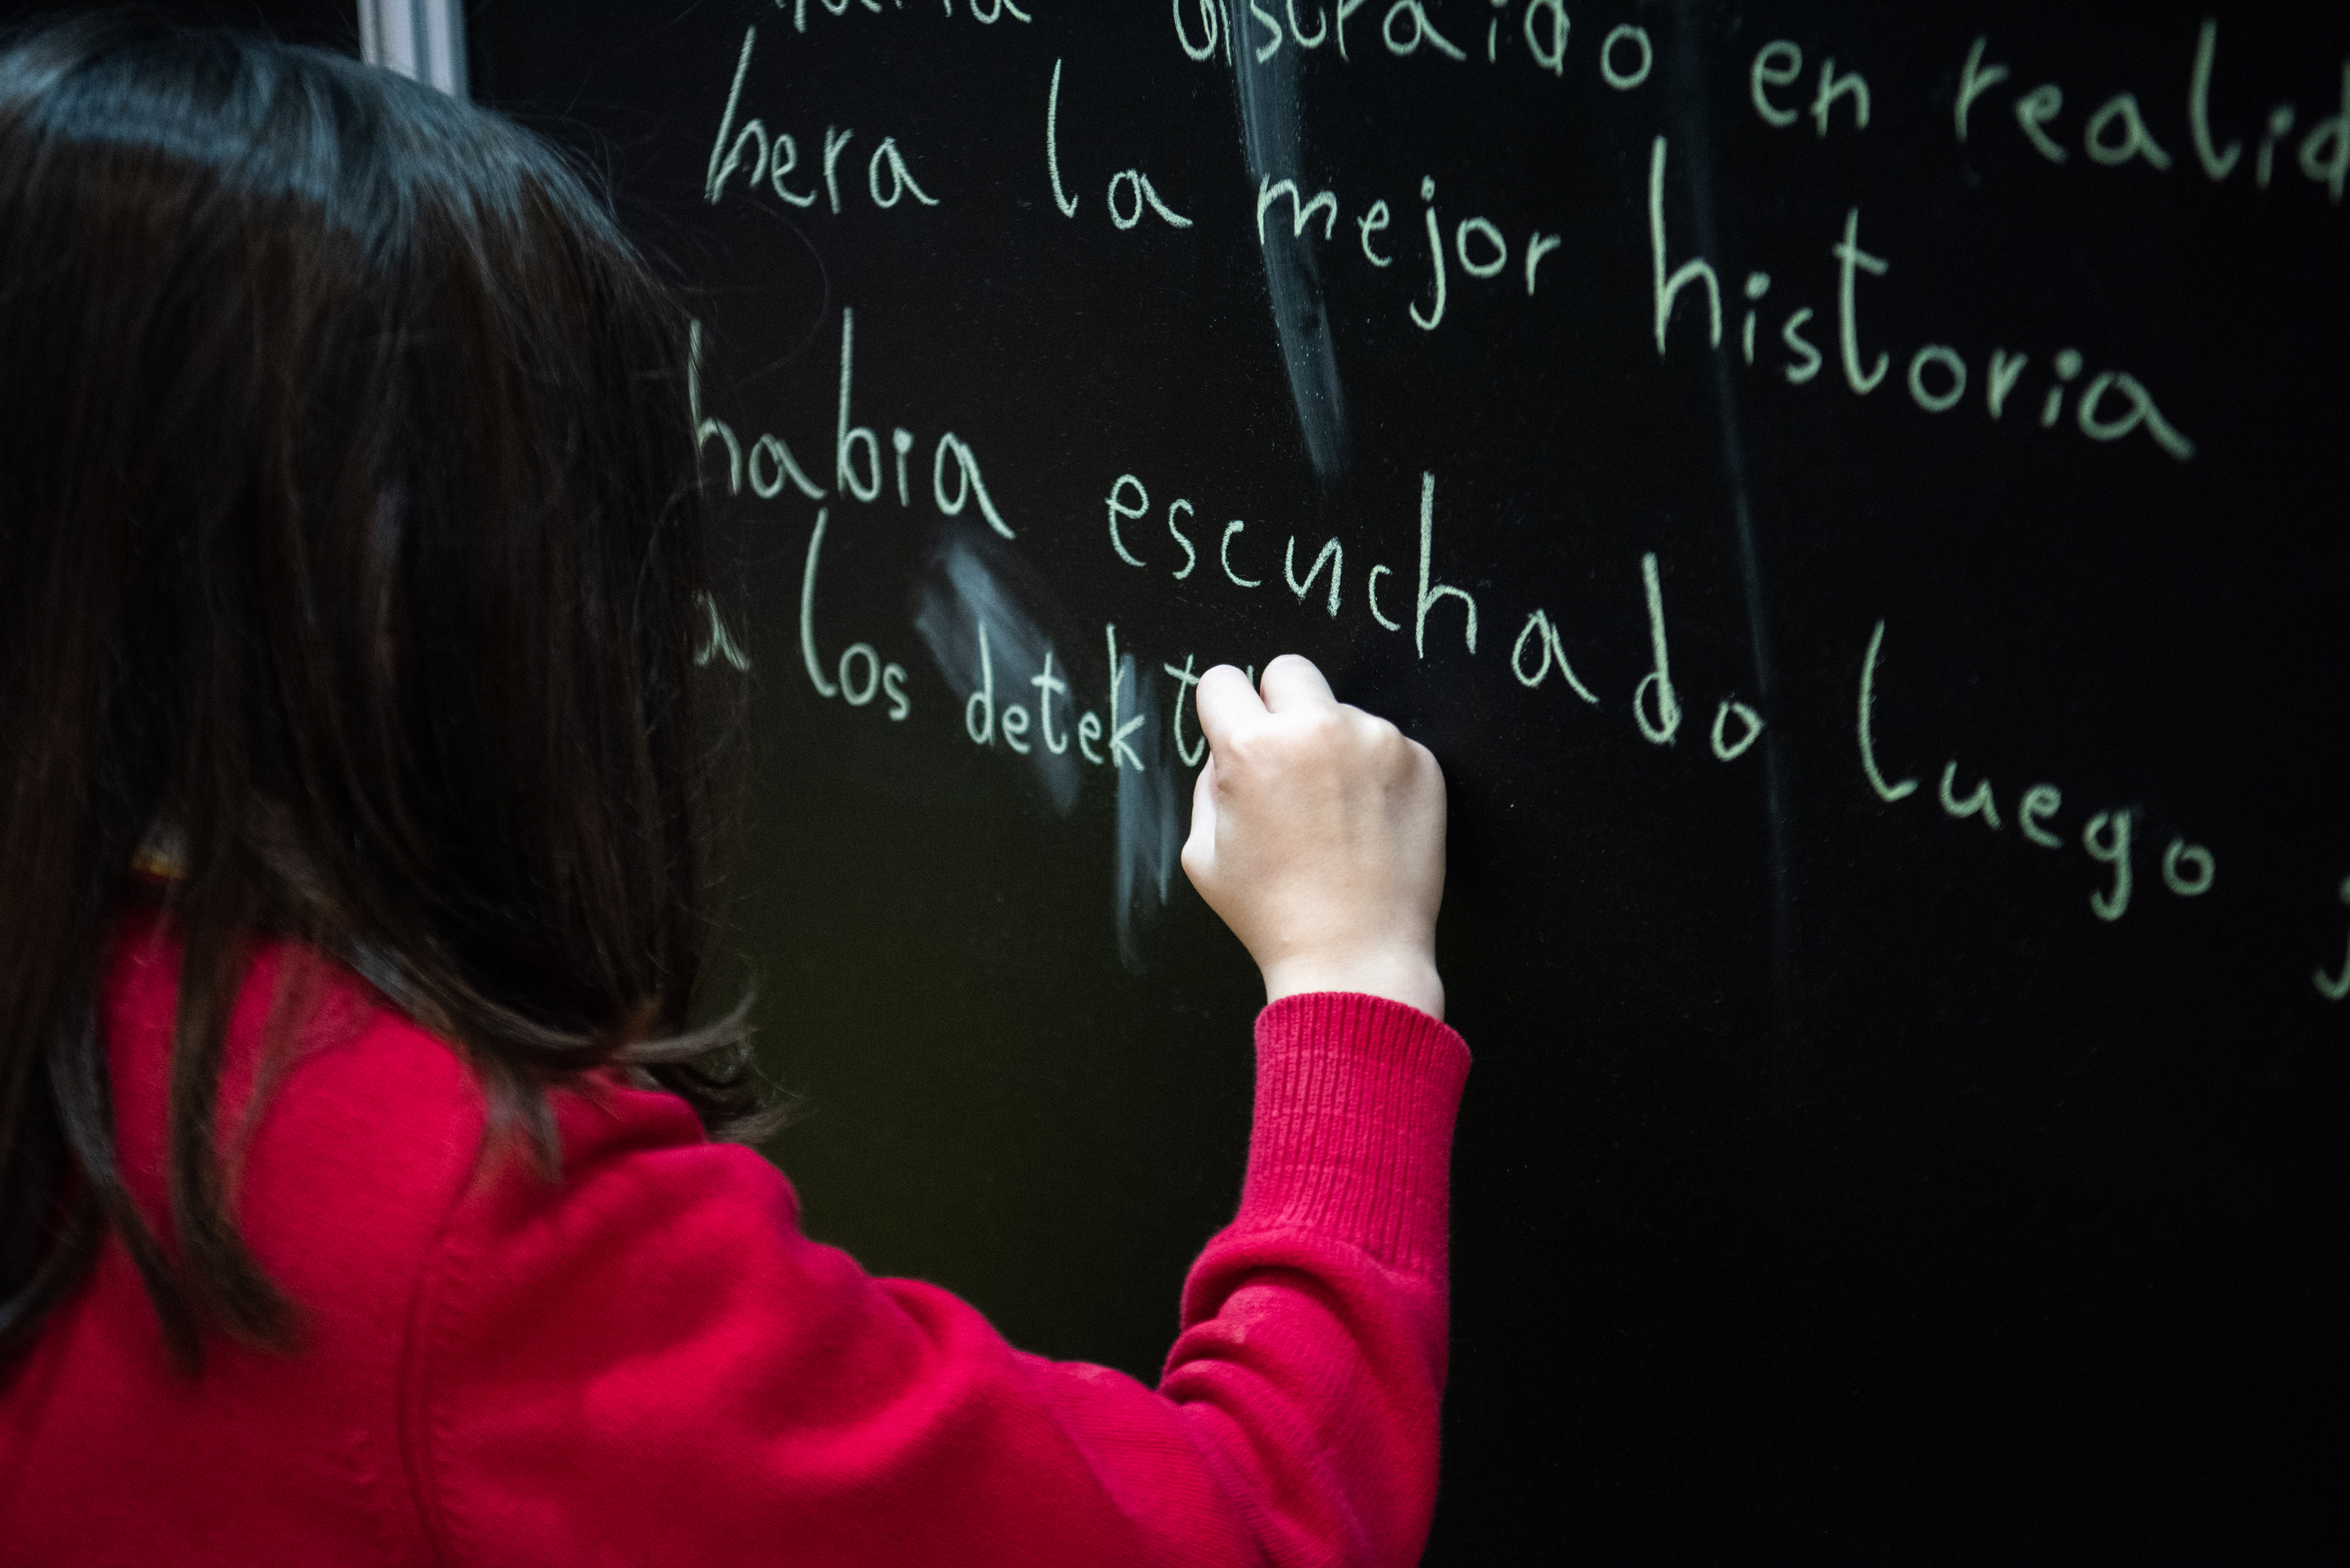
column 771, row 467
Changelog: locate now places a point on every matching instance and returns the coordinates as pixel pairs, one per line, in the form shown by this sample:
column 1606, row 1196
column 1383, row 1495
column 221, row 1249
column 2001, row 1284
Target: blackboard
column 321, row 24
column 1857, row 508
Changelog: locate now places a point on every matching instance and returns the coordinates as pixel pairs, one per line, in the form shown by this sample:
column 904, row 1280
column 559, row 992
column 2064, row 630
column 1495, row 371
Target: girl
column 360, row 1199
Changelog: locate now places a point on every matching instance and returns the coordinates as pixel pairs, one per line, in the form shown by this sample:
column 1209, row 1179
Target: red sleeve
column 647, row 1361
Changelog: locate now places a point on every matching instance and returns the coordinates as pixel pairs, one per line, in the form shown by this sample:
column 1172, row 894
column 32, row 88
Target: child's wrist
column 1410, row 978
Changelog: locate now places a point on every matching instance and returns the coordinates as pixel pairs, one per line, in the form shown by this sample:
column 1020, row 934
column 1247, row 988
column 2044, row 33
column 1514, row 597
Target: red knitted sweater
column 645, row 1360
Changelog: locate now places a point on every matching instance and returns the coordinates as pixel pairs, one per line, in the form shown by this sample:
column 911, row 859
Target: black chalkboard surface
column 321, row 24
column 1852, row 494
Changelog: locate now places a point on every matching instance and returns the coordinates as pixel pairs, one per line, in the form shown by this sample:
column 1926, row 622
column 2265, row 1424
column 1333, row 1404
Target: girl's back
column 361, row 1201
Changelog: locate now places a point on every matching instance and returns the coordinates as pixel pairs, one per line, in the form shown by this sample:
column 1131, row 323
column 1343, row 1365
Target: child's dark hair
column 351, row 541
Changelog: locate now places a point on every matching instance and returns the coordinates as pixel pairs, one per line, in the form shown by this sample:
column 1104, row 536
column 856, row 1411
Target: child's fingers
column 1226, row 702
column 1200, row 848
column 1291, row 682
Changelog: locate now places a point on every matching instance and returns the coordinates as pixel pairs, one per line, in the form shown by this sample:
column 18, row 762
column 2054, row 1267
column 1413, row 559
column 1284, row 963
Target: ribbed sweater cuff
column 1355, row 1097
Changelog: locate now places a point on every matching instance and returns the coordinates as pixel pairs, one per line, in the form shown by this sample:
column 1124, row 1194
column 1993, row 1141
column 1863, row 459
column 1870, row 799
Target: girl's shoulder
column 424, row 1247
column 351, row 1134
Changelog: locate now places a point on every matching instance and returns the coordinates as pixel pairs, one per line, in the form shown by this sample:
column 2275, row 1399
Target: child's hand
column 1317, row 833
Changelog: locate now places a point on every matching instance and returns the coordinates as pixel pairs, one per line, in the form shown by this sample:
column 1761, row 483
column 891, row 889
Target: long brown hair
column 349, row 530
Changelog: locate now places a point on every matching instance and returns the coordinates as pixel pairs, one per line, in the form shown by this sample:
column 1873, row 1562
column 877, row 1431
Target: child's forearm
column 1315, row 1324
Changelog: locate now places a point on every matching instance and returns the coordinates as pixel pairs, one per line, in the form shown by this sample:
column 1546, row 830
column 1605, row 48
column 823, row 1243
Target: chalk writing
column 2188, row 869
column 773, row 161
column 845, row 683
column 2117, row 133
column 1834, row 310
column 2335, row 986
column 718, row 642
column 986, row 12
column 1141, row 193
